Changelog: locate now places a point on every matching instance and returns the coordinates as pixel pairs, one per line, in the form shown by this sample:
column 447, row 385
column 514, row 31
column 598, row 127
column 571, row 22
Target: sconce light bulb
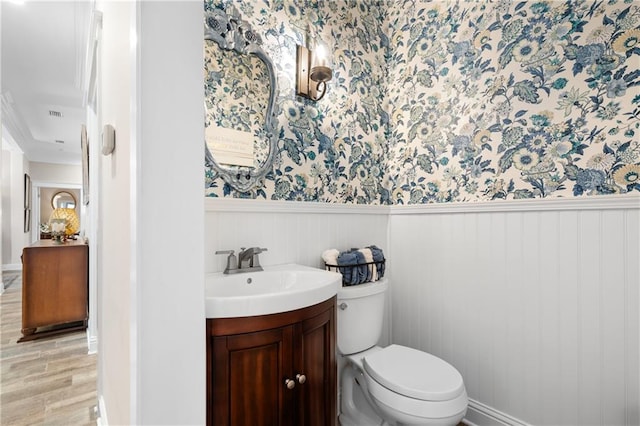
column 321, row 52
column 320, row 64
column 313, row 72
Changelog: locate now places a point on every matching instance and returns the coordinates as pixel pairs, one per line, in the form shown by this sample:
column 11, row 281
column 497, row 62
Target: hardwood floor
column 42, row 382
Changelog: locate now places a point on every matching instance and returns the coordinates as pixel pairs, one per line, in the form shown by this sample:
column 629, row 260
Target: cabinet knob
column 301, row 378
column 289, row 383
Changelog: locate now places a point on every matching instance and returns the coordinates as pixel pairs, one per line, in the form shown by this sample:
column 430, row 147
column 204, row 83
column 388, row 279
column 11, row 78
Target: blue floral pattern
column 513, row 99
column 455, row 101
column 334, row 150
column 235, row 94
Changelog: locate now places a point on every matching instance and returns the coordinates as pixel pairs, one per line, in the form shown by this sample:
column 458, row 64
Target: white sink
column 276, row 289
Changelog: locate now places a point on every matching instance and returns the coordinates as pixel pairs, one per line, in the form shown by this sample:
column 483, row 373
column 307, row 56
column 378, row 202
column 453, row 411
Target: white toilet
column 393, row 385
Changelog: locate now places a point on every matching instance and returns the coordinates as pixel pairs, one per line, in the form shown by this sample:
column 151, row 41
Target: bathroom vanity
column 277, row 369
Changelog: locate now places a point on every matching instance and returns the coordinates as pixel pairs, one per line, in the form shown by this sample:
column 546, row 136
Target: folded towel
column 378, row 257
column 362, row 269
column 346, row 261
column 330, row 256
column 372, row 273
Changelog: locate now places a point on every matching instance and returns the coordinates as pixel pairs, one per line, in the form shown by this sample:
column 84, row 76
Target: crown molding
column 12, row 120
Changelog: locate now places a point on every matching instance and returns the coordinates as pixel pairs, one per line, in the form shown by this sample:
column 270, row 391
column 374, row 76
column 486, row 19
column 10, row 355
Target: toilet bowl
column 399, row 385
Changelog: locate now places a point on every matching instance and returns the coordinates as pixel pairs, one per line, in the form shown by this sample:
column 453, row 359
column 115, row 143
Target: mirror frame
column 230, row 32
column 53, row 197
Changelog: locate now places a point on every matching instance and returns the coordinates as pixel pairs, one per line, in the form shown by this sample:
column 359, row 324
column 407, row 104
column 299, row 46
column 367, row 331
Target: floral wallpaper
column 333, row 150
column 441, row 101
column 513, row 99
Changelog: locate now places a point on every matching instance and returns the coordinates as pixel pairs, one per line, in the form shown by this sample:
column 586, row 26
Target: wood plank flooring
column 42, row 382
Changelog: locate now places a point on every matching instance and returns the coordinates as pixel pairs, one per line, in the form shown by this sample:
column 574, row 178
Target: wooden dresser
column 55, row 288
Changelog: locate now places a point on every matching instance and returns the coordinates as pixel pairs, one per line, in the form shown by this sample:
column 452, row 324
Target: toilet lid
column 414, row 373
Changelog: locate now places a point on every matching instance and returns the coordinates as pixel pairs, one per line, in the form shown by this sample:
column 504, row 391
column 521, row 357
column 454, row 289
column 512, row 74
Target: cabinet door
column 249, row 371
column 315, row 337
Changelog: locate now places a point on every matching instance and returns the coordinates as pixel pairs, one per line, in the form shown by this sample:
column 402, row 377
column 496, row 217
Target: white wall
column 5, row 187
column 536, row 304
column 14, row 239
column 56, row 173
column 151, row 363
column 169, row 216
column 112, row 244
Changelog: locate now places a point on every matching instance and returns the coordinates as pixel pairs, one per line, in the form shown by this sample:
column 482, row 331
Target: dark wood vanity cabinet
column 275, row 369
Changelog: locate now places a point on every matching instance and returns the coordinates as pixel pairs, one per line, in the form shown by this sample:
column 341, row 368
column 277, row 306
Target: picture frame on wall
column 27, row 191
column 27, row 220
column 84, row 145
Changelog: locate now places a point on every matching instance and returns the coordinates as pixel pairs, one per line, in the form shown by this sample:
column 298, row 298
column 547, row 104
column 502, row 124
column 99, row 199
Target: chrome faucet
column 247, row 260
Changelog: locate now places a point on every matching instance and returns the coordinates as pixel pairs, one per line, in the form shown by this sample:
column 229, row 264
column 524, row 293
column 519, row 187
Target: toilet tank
column 360, row 315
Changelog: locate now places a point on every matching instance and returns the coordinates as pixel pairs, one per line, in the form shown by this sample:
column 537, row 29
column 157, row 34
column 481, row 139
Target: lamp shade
column 320, row 63
column 73, row 223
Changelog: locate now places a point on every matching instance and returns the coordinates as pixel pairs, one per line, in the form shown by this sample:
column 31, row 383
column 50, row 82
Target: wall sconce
column 314, row 70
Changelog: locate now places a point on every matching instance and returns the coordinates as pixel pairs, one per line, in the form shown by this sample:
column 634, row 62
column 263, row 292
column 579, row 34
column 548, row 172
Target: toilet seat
column 414, row 374
column 415, row 411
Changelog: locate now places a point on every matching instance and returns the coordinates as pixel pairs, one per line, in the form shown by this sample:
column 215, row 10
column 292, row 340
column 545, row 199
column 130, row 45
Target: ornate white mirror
column 240, row 90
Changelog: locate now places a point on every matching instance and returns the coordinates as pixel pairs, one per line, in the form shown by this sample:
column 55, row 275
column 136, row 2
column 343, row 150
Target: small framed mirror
column 240, row 90
column 63, row 200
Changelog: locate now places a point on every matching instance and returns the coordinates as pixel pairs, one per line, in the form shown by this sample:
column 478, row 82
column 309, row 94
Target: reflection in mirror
column 63, row 200
column 236, row 99
column 240, row 87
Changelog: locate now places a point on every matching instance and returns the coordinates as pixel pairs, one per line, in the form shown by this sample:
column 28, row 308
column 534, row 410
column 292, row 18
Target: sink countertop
column 277, row 289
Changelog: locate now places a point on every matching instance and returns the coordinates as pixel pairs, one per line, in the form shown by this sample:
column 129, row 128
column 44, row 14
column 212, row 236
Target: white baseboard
column 479, row 414
column 92, row 344
column 12, row 267
column 101, row 420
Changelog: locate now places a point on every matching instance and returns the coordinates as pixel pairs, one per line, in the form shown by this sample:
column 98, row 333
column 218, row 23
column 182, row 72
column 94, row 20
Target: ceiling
column 42, row 78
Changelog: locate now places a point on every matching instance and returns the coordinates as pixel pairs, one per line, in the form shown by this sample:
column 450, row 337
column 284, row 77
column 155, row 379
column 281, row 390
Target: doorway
column 43, row 193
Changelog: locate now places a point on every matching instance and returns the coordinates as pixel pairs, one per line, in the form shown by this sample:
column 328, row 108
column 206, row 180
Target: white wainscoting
column 536, row 304
column 293, row 232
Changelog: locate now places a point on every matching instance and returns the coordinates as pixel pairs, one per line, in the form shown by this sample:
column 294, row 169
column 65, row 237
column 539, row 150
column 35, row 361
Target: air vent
column 55, row 113
column 59, row 141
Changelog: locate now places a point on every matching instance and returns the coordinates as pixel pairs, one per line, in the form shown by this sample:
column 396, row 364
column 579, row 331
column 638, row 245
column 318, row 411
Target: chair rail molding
column 279, row 206
column 608, row 202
